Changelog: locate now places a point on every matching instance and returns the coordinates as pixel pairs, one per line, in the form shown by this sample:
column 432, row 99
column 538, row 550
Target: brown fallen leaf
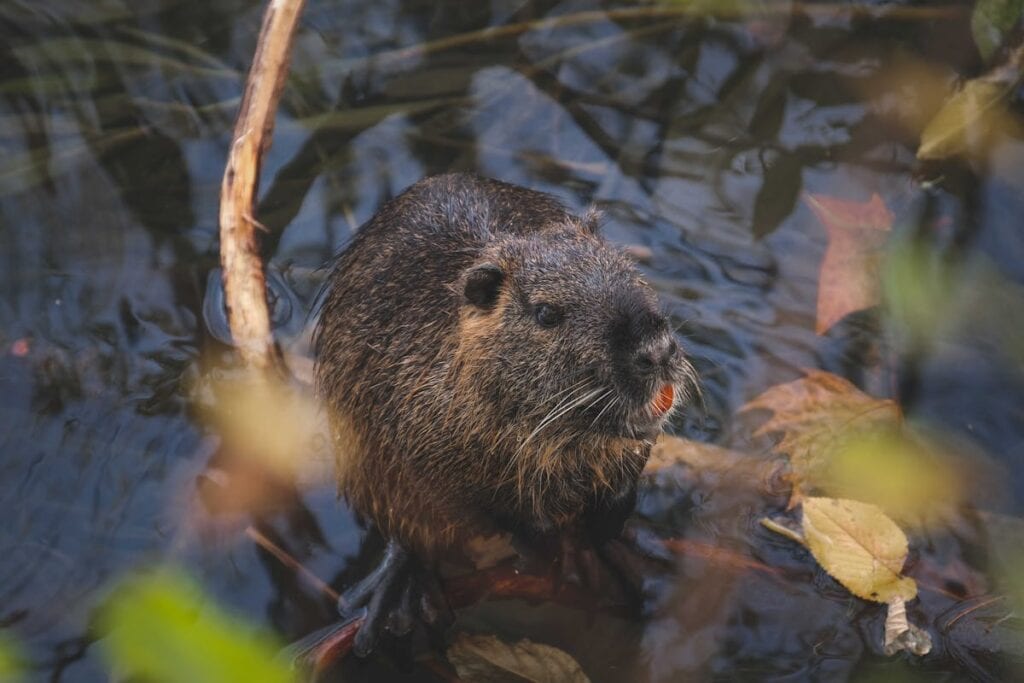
column 818, row 416
column 672, row 450
column 849, row 277
column 486, row 659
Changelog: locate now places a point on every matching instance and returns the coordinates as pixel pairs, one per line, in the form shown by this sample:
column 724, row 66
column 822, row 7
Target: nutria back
column 489, row 363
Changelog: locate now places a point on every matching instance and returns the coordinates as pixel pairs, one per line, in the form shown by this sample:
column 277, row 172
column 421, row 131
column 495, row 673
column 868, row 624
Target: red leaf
column 849, row 272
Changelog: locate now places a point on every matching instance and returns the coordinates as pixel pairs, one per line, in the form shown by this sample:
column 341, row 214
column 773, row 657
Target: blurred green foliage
column 161, row 628
column 903, row 471
column 930, row 301
column 991, row 20
column 11, row 664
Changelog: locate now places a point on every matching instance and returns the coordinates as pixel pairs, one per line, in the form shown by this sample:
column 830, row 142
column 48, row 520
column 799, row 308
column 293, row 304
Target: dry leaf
column 859, row 546
column 818, row 416
column 849, row 278
column 900, row 634
column 672, row 450
column 974, row 113
column 486, row 659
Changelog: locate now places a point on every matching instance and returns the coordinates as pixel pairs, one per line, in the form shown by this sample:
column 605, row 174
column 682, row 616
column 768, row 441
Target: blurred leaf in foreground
column 929, row 301
column 972, row 115
column 906, row 474
column 991, row 20
column 272, row 440
column 818, row 416
column 849, row 278
column 11, row 665
column 914, row 281
column 161, row 628
column 259, row 418
column 486, row 659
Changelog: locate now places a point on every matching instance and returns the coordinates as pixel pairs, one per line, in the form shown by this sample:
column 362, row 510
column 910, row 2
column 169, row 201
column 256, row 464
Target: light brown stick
column 244, row 283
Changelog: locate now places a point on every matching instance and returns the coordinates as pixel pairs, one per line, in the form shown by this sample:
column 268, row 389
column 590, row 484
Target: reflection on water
column 695, row 135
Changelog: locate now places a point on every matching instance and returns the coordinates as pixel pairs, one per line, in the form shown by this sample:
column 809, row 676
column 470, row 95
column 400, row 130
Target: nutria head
column 566, row 349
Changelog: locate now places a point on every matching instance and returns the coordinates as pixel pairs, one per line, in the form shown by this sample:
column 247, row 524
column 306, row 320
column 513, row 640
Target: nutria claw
column 393, row 596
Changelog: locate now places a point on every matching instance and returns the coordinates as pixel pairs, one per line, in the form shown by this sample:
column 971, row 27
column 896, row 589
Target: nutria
column 488, row 364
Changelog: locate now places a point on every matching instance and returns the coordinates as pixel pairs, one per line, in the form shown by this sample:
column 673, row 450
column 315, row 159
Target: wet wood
column 244, row 281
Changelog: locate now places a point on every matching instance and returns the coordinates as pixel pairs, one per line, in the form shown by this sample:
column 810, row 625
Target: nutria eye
column 547, row 315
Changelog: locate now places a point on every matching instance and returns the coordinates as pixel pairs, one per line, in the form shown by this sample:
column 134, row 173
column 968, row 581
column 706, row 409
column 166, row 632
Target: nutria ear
column 483, row 283
column 590, row 222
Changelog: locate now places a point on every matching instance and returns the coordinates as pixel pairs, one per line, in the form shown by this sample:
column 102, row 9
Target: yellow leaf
column 967, row 119
column 859, row 546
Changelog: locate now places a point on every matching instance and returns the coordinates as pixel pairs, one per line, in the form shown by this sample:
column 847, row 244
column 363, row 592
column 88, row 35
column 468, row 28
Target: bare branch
column 244, row 282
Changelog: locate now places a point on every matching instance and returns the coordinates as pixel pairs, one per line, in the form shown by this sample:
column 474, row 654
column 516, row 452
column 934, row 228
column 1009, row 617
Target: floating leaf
column 672, row 450
column 973, row 114
column 160, row 628
column 818, row 416
column 849, row 278
column 859, row 546
column 486, row 659
column 991, row 20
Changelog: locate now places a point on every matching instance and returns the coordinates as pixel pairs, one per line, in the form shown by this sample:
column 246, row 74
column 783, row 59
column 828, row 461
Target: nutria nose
column 655, row 355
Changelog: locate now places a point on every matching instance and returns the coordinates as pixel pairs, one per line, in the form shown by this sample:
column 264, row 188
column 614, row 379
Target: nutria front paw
column 395, row 595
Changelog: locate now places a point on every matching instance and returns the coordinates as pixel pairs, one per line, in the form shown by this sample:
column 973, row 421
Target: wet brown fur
column 432, row 400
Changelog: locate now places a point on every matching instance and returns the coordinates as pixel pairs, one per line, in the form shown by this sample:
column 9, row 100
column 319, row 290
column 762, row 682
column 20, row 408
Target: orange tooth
column 662, row 403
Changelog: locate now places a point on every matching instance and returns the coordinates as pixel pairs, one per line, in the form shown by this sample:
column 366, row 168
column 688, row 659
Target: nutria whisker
column 552, row 415
column 614, row 401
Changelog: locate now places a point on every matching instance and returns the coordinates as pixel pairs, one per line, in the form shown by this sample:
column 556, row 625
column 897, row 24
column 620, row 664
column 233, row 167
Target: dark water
column 695, row 135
